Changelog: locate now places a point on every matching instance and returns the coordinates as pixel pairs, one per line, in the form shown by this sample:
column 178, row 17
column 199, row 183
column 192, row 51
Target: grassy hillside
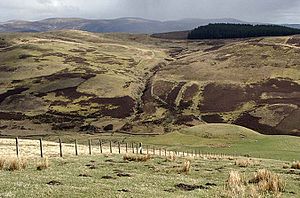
column 228, row 139
column 88, row 82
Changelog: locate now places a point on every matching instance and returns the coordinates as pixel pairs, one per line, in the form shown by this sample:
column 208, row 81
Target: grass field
column 111, row 176
column 206, row 138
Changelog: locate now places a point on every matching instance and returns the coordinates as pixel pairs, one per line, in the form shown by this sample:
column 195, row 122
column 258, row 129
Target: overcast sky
column 275, row 11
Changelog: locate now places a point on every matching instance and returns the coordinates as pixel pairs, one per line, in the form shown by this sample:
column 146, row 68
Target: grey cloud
column 277, row 11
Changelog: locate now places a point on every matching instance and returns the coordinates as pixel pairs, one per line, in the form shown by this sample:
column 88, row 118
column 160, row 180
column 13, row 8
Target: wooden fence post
column 141, row 148
column 165, row 152
column 126, row 147
column 17, row 146
column 159, row 151
column 76, row 149
column 147, row 149
column 100, row 146
column 41, row 148
column 60, row 148
column 119, row 147
column 90, row 147
column 110, row 147
column 132, row 145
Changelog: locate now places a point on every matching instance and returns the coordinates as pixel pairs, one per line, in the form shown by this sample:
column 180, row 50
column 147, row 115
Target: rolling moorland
column 175, row 94
column 79, row 81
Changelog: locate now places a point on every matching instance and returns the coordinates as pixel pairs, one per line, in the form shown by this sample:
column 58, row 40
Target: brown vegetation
column 186, row 167
column 296, row 165
column 43, row 164
column 267, row 181
column 2, row 163
column 136, row 158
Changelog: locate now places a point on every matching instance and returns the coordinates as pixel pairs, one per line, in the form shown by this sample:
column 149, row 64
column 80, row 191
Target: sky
column 269, row 11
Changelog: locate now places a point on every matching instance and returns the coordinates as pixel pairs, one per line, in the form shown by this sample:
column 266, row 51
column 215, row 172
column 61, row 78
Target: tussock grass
column 264, row 182
column 136, row 158
column 16, row 164
column 268, row 181
column 13, row 164
column 43, row 164
column 186, row 167
column 235, row 185
column 242, row 163
column 296, row 165
column 171, row 158
column 2, row 163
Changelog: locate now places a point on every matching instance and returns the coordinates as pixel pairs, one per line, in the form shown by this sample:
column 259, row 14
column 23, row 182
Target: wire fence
column 40, row 148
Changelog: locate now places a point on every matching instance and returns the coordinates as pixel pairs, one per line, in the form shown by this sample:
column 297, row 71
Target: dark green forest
column 225, row 31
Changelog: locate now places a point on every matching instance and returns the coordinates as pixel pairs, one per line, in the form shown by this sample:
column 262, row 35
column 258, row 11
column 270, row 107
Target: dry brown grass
column 43, row 164
column 13, row 164
column 264, row 183
column 286, row 166
column 136, row 158
column 16, row 164
column 267, row 181
column 242, row 163
column 186, row 167
column 296, row 165
column 235, row 185
column 2, row 163
column 171, row 158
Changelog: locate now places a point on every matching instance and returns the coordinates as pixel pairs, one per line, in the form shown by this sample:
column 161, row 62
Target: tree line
column 226, row 30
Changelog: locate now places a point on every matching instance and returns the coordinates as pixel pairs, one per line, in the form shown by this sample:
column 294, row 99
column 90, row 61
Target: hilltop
column 90, row 82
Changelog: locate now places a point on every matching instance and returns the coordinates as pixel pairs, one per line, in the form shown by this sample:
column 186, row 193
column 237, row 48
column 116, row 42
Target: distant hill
column 292, row 25
column 225, row 30
column 128, row 25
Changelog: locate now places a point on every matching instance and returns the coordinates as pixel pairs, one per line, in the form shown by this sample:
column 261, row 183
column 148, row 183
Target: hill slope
column 79, row 81
column 130, row 25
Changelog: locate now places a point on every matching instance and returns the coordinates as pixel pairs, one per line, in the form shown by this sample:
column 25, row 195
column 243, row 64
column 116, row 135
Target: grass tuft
column 136, row 158
column 43, row 164
column 296, row 165
column 268, row 181
column 186, row 167
column 235, row 185
column 2, row 163
column 16, row 164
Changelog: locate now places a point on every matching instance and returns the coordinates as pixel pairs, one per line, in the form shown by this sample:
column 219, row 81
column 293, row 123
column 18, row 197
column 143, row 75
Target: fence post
column 165, row 152
column 147, row 149
column 60, row 148
column 159, row 151
column 141, row 148
column 153, row 150
column 119, row 147
column 100, row 146
column 17, row 146
column 132, row 145
column 126, row 147
column 90, row 147
column 41, row 148
column 110, row 148
column 76, row 149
